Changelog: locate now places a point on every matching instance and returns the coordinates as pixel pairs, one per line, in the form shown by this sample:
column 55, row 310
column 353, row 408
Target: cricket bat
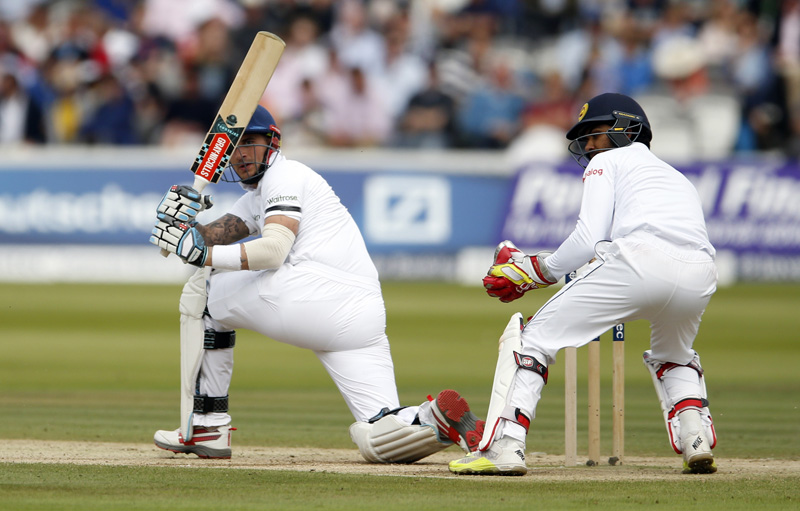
column 234, row 115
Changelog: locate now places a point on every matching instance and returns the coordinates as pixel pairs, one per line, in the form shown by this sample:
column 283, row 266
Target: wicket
column 618, row 401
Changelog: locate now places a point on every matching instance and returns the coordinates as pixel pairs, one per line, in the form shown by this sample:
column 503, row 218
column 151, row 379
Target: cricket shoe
column 505, row 457
column 697, row 457
column 455, row 421
column 207, row 442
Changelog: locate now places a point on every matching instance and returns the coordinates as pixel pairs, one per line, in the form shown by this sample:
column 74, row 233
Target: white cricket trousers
column 630, row 280
column 340, row 317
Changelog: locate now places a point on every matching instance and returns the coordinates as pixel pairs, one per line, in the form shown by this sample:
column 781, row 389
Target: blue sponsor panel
column 407, row 212
column 752, row 211
column 752, row 208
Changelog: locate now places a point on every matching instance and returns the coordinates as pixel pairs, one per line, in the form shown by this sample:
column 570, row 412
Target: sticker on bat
column 216, row 151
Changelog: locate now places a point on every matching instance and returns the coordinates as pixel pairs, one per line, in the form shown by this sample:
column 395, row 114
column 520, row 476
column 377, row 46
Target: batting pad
column 390, row 440
column 192, row 306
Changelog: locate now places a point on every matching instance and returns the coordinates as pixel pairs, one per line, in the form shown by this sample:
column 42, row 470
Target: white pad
column 668, row 402
column 192, row 306
column 390, row 440
column 510, row 342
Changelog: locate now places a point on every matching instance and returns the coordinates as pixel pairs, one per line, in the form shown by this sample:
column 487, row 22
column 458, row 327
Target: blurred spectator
column 429, row 122
column 717, row 37
column 110, row 116
column 303, row 60
column 490, row 116
column 360, row 117
column 692, row 118
column 404, row 74
column 633, row 63
column 208, row 55
column 21, row 119
column 787, row 50
column 355, row 42
column 32, row 35
column 307, row 127
column 178, row 20
column 754, row 78
column 545, row 120
column 188, row 115
column 160, row 66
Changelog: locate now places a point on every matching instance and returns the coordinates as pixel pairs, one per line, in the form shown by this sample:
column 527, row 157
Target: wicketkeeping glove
column 514, row 273
column 182, row 239
column 183, row 203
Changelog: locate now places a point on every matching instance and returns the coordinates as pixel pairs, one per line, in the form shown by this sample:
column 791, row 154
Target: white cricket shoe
column 505, row 456
column 697, row 457
column 207, row 442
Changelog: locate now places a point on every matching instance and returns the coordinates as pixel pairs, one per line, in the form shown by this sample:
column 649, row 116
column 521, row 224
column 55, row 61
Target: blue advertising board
column 752, row 208
column 411, row 212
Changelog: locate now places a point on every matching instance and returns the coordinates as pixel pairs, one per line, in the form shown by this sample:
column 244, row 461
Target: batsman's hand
column 182, row 239
column 182, row 203
column 514, row 273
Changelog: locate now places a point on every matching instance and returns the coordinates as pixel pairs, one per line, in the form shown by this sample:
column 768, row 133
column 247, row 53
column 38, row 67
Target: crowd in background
column 717, row 77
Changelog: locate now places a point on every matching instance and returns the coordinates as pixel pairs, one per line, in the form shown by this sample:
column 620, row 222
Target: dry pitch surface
column 348, row 461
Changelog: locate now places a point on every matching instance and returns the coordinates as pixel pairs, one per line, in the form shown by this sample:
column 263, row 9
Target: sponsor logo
column 697, row 443
column 407, row 209
column 216, row 150
column 592, row 172
column 281, row 198
column 617, row 113
column 220, row 127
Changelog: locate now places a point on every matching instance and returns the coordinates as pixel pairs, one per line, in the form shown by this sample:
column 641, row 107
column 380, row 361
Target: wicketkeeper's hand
column 183, row 203
column 514, row 273
column 182, row 239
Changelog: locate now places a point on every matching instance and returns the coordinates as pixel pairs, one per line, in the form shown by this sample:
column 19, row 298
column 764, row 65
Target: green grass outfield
column 100, row 363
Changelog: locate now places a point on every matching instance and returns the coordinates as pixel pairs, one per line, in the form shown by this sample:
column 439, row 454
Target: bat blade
column 236, row 110
column 246, row 90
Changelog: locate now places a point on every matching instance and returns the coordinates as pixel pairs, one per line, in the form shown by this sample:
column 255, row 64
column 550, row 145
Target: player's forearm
column 265, row 253
column 224, row 231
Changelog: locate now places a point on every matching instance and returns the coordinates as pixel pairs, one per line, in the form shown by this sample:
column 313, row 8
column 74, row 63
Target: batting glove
column 183, row 203
column 182, row 239
column 514, row 273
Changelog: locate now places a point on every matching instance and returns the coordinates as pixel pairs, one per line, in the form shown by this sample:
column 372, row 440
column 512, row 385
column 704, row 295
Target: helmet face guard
column 625, row 116
column 624, row 131
column 261, row 123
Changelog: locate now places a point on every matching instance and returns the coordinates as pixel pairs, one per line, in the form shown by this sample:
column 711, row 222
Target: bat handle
column 199, row 184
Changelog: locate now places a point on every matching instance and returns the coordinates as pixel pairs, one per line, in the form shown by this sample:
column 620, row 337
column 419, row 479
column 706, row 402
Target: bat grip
column 199, row 184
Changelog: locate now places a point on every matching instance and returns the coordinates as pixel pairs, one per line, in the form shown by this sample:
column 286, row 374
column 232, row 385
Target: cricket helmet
column 628, row 123
column 262, row 123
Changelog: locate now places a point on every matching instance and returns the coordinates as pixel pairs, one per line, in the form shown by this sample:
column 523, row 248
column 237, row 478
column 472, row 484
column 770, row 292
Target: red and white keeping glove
column 513, row 273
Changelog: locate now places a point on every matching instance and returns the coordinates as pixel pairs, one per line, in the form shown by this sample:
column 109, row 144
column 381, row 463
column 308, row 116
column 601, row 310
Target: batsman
column 642, row 224
column 305, row 278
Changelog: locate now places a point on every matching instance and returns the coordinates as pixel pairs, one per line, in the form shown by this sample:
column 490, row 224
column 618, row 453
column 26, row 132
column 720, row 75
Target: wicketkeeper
column 642, row 222
column 305, row 280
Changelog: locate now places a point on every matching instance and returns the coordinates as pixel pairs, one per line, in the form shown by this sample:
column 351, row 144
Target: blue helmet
column 628, row 123
column 262, row 123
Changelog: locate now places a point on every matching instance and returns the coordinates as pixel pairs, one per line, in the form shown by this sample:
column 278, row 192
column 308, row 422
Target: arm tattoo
column 224, row 231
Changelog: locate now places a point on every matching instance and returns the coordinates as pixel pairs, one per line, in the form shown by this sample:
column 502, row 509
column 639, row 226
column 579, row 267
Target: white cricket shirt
column 629, row 192
column 327, row 234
